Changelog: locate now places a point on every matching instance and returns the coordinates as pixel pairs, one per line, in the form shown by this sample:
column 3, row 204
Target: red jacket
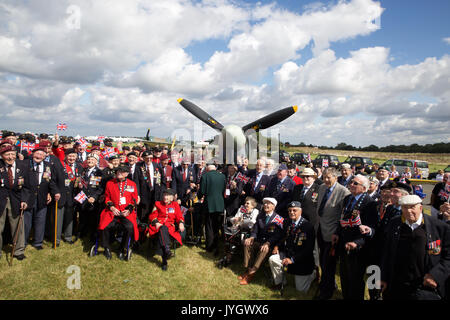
column 112, row 195
column 297, row 180
column 59, row 153
column 167, row 215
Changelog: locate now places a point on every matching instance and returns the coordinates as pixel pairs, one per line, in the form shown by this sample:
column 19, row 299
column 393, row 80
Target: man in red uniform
column 120, row 199
column 165, row 215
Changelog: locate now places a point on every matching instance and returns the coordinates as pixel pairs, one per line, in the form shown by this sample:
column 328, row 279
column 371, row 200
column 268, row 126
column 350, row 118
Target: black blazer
column 283, row 195
column 39, row 191
column 263, row 184
column 232, row 202
column 58, row 177
column 72, row 188
column 437, row 261
column 181, row 186
column 368, row 215
column 271, row 232
column 20, row 191
column 309, row 203
column 148, row 192
column 298, row 245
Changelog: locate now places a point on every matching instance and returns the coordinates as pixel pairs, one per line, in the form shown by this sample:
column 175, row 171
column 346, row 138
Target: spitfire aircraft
column 234, row 139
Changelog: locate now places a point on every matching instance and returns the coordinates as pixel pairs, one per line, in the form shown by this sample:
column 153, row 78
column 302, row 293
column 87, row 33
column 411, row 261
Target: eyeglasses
column 356, row 183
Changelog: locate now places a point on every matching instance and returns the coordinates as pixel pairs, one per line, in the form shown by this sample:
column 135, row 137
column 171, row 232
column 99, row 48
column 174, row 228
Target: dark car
column 433, row 175
column 300, row 158
column 284, row 156
column 333, row 161
column 359, row 161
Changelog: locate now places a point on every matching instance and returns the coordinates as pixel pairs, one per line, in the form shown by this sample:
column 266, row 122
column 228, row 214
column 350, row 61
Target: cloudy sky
column 361, row 71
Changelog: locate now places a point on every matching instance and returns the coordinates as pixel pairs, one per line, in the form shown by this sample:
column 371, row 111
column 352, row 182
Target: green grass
column 192, row 274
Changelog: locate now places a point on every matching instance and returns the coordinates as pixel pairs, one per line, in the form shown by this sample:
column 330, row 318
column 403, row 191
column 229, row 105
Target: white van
column 401, row 164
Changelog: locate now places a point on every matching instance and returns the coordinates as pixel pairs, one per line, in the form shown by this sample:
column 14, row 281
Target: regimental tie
column 10, row 177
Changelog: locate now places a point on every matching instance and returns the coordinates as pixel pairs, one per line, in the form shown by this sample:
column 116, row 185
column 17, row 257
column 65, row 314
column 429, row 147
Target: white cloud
column 446, row 40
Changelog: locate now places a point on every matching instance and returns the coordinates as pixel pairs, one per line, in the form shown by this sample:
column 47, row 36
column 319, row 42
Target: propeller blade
column 200, row 114
column 271, row 119
column 147, row 137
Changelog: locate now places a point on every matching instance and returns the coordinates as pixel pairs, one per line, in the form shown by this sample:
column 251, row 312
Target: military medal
column 314, row 196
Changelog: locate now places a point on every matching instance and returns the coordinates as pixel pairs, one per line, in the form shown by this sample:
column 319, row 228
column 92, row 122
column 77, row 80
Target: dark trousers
column 89, row 220
column 144, row 210
column 212, row 226
column 35, row 218
column 127, row 236
column 195, row 221
column 327, row 262
column 352, row 269
column 163, row 241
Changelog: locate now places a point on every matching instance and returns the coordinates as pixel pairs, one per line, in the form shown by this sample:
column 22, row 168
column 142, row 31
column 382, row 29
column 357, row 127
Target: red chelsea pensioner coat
column 167, row 215
column 112, row 194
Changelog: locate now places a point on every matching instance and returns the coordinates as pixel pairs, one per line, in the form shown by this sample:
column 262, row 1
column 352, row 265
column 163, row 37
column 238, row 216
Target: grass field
column 192, row 274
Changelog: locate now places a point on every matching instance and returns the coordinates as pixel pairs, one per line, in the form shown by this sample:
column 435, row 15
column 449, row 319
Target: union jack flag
column 278, row 220
column 101, row 139
column 61, row 126
column 81, row 197
column 447, row 187
column 324, row 162
column 351, row 222
column 242, row 177
column 184, row 210
column 108, row 152
column 1, row 136
column 28, row 146
column 309, row 157
column 83, row 142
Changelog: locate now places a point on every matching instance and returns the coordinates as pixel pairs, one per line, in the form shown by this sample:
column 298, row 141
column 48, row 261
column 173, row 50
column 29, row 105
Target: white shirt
column 152, row 173
column 416, row 224
column 39, row 167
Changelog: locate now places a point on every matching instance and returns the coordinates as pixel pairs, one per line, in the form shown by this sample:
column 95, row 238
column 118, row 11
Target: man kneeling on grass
column 294, row 253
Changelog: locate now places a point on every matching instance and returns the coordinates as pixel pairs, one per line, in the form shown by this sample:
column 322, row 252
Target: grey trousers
column 14, row 224
column 65, row 223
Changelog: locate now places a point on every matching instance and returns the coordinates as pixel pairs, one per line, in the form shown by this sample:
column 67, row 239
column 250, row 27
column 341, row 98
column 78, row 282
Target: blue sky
column 239, row 60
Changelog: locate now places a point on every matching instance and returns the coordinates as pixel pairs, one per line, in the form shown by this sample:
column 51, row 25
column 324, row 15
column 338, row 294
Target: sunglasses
column 356, row 183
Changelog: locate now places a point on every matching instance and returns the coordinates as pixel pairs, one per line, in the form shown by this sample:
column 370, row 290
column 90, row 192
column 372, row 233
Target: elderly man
column 346, row 175
column 356, row 226
column 383, row 176
column 91, row 186
column 266, row 233
column 212, row 187
column 281, row 188
column 439, row 195
column 258, row 183
column 330, row 205
column 152, row 187
column 295, row 252
column 373, row 188
column 14, row 194
column 416, row 257
column 42, row 186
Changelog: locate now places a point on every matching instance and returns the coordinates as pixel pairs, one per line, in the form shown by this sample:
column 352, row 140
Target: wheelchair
column 234, row 237
column 117, row 235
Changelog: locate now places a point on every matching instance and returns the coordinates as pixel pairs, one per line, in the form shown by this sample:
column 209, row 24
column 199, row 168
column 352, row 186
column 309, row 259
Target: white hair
column 211, row 167
column 364, row 180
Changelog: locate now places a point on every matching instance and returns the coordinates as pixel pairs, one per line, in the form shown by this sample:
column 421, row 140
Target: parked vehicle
column 333, row 161
column 401, row 164
column 432, row 175
column 359, row 161
column 284, row 156
column 300, row 158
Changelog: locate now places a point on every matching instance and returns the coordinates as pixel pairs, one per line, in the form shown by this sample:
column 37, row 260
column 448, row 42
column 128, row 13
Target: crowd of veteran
column 307, row 221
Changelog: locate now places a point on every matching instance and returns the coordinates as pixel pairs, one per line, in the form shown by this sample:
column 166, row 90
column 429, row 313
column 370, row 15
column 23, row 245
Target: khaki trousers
column 13, row 224
column 252, row 251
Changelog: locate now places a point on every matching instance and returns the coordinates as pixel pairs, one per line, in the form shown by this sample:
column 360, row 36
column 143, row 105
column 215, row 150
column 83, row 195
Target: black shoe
column 169, row 255
column 107, row 254
column 38, row 247
column 164, row 267
column 20, row 257
column 69, row 241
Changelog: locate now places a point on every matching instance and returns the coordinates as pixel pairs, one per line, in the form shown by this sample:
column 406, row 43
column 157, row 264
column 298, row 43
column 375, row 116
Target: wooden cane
column 56, row 222
column 16, row 236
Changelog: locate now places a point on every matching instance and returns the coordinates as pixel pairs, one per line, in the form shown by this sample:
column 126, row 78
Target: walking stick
column 56, row 222
column 16, row 236
column 283, row 280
